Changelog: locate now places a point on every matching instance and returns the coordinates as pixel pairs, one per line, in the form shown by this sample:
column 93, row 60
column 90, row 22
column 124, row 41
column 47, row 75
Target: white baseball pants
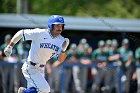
column 35, row 78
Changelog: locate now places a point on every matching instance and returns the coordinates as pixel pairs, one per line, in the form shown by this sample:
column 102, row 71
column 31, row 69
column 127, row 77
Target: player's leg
column 36, row 87
column 76, row 78
column 35, row 78
column 97, row 74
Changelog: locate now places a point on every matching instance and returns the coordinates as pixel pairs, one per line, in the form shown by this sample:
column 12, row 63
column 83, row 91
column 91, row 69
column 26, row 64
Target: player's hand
column 8, row 50
column 65, row 44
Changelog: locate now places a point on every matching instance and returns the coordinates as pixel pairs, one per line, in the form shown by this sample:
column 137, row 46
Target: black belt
column 34, row 64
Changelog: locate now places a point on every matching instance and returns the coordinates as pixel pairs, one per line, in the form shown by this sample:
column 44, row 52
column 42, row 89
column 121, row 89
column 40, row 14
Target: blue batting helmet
column 55, row 19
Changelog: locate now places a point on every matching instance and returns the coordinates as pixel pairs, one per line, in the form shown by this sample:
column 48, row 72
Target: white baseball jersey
column 44, row 46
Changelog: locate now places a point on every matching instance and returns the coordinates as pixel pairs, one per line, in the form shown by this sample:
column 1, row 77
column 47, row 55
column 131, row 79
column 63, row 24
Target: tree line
column 83, row 8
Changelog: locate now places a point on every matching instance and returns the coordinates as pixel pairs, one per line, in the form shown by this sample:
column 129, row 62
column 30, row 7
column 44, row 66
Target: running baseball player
column 46, row 43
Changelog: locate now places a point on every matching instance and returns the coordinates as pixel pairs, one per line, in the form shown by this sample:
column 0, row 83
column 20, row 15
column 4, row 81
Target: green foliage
column 8, row 6
column 94, row 8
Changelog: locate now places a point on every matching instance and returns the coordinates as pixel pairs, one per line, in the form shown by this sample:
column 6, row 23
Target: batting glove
column 65, row 44
column 8, row 50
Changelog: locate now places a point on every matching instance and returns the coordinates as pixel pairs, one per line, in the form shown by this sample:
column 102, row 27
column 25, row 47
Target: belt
column 35, row 64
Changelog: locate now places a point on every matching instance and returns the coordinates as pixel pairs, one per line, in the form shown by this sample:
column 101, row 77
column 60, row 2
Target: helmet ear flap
column 50, row 27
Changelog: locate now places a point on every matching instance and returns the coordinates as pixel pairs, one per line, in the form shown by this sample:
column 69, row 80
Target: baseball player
column 46, row 43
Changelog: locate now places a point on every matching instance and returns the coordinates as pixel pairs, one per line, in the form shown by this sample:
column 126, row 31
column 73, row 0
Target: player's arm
column 62, row 56
column 14, row 40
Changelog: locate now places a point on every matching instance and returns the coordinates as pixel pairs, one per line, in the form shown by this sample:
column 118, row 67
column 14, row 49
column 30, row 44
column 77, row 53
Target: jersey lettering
column 49, row 45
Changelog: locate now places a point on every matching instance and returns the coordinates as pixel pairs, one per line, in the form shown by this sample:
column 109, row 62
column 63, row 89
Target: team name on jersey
column 49, row 45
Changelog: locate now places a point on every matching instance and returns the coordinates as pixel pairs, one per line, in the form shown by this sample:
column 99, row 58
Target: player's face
column 57, row 28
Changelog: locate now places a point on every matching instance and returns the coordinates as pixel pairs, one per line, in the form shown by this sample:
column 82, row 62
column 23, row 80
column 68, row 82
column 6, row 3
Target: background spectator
column 126, row 57
column 100, row 58
column 114, row 59
column 14, row 56
column 137, row 56
column 108, row 45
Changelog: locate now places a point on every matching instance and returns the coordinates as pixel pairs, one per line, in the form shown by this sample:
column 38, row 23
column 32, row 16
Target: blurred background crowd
column 109, row 67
